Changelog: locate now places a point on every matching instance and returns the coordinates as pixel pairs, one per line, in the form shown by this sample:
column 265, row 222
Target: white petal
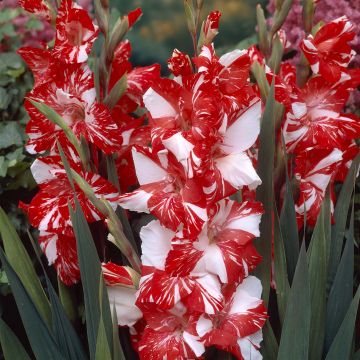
column 237, row 169
column 247, row 295
column 136, row 201
column 203, row 326
column 42, row 172
column 180, row 147
column 247, row 223
column 124, row 299
column 157, row 105
column 193, row 341
column 147, row 171
column 248, row 350
column 215, row 262
column 156, row 243
column 227, row 59
column 242, row 134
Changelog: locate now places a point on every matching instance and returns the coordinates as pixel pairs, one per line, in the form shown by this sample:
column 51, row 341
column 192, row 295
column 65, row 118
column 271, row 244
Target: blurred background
column 163, row 27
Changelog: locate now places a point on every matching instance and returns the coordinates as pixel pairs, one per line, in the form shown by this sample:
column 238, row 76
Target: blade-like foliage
column 270, row 346
column 340, row 215
column 342, row 344
column 265, row 192
column 118, row 353
column 22, row 265
column 342, row 289
column 91, row 276
column 289, row 229
column 41, row 340
column 281, row 277
column 10, row 344
column 317, row 260
column 297, row 316
column 64, row 333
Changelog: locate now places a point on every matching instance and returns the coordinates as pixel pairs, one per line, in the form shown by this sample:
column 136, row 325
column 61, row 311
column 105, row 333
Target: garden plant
column 207, row 214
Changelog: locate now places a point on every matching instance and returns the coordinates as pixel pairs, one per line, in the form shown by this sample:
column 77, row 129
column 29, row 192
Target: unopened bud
column 262, row 30
column 276, row 54
column 280, row 16
column 179, row 63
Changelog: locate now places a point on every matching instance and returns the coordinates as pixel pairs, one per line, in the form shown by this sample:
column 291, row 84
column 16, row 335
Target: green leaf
column 281, row 278
column 270, row 346
column 342, row 289
column 317, row 259
column 116, row 92
column 10, row 344
column 289, row 229
column 297, row 316
column 21, row 262
column 65, row 294
column 102, row 345
column 340, row 216
column 64, row 333
column 342, row 344
column 117, row 350
column 4, row 99
column 41, row 340
column 265, row 192
column 91, row 276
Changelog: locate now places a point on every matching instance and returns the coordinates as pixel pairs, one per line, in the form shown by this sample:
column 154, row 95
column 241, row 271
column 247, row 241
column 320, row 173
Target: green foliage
column 319, row 322
column 265, row 192
column 57, row 339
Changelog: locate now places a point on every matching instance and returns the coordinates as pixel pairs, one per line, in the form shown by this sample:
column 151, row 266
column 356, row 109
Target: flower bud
column 280, row 16
column 262, row 30
column 179, row 63
column 211, row 27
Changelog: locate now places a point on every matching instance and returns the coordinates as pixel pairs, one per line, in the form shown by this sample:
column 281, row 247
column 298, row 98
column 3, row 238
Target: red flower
column 329, row 52
column 49, row 209
column 60, row 250
column 72, row 95
column 180, row 63
column 37, row 7
column 237, row 327
column 224, row 248
column 315, row 169
column 75, row 33
column 315, row 119
column 39, row 62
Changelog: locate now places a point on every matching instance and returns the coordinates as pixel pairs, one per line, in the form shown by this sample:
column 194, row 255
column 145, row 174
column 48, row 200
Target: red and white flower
column 165, row 191
column 75, row 33
column 328, row 52
column 199, row 292
column 315, row 119
column 49, row 209
column 37, row 7
column 237, row 327
column 122, row 292
column 60, row 250
column 315, row 169
column 167, row 335
column 72, row 95
column 224, row 247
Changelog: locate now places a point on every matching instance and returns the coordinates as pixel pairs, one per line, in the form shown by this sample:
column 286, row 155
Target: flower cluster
column 196, row 149
column 319, row 137
column 65, row 83
column 326, row 11
column 195, row 290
